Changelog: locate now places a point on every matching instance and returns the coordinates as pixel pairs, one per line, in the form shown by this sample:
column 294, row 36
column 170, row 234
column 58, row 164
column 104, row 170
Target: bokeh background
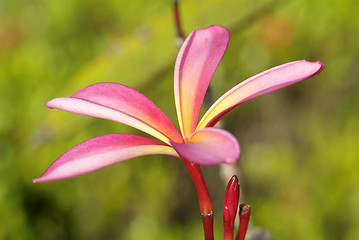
column 299, row 164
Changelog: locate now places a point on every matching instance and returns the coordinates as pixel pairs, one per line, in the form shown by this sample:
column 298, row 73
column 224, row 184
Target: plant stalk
column 205, row 202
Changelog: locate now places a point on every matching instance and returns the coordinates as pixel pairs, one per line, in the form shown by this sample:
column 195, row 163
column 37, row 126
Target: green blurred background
column 299, row 164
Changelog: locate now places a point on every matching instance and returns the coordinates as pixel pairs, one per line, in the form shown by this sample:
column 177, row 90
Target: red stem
column 205, row 202
column 207, row 221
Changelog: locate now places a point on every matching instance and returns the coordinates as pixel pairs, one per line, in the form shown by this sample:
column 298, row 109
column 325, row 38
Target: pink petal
column 120, row 103
column 100, row 152
column 209, row 146
column 260, row 84
column 196, row 63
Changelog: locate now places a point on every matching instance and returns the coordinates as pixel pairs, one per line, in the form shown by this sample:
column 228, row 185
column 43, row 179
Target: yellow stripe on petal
column 100, row 152
column 196, row 63
column 123, row 104
column 260, row 84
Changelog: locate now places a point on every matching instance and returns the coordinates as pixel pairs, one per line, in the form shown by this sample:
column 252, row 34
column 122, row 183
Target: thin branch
column 180, row 35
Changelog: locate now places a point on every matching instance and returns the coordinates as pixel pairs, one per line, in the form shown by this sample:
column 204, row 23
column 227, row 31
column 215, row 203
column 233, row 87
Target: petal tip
column 234, row 159
column 50, row 104
column 36, row 180
column 44, row 178
column 218, row 28
column 320, row 66
column 220, row 31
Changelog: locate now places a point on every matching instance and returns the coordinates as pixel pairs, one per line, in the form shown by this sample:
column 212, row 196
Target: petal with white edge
column 99, row 152
column 260, row 84
column 209, row 146
column 122, row 104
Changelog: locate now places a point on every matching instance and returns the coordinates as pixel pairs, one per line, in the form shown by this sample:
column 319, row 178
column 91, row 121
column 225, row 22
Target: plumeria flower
column 198, row 141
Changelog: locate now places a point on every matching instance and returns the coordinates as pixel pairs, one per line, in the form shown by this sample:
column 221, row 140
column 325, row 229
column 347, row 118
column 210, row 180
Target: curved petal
column 196, row 63
column 100, row 152
column 122, row 104
column 209, row 146
column 260, row 84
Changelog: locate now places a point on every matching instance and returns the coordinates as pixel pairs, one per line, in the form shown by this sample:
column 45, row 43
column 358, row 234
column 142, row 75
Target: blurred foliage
column 299, row 164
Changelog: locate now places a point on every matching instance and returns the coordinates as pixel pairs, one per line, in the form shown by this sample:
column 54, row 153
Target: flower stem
column 205, row 202
column 207, row 221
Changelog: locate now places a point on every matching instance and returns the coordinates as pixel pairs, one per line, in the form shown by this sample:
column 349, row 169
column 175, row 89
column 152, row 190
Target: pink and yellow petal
column 196, row 63
column 260, row 84
column 120, row 103
column 100, row 152
column 209, row 146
